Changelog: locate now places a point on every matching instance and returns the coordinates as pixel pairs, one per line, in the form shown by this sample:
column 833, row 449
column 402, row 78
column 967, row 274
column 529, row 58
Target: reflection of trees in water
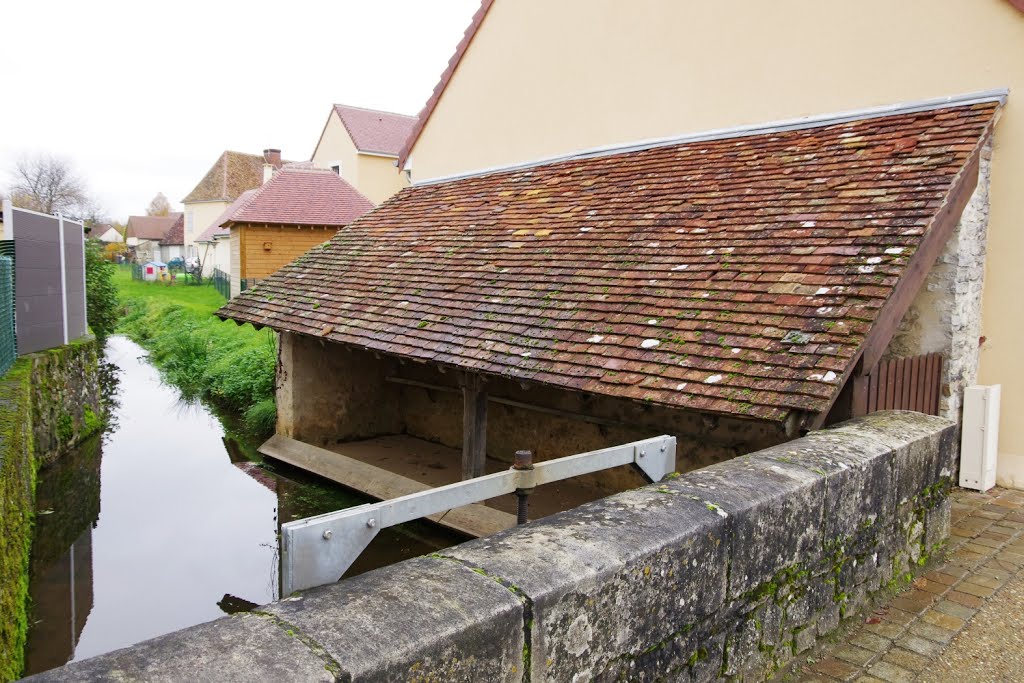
column 110, row 391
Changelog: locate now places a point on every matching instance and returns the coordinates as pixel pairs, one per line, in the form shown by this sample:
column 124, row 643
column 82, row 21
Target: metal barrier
column 8, row 340
column 316, row 551
column 222, row 282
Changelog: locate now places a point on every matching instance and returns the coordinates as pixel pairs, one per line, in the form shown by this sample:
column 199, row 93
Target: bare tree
column 159, row 206
column 48, row 184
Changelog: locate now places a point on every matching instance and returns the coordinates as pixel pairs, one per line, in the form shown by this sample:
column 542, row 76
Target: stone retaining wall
column 723, row 573
column 48, row 402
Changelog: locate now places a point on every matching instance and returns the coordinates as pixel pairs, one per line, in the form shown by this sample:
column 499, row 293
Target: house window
column 188, row 222
column 336, row 167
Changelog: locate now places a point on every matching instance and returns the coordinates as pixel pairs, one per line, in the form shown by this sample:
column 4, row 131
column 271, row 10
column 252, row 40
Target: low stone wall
column 723, row 573
column 65, row 396
column 48, row 402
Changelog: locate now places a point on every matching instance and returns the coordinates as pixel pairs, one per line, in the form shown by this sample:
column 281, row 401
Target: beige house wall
column 543, row 79
column 377, row 177
column 203, row 216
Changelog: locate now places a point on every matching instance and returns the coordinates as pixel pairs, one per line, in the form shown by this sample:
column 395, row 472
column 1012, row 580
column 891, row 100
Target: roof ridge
column 375, row 111
column 748, row 130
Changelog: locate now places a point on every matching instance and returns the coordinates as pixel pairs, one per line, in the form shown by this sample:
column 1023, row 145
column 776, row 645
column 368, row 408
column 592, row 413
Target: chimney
column 271, row 162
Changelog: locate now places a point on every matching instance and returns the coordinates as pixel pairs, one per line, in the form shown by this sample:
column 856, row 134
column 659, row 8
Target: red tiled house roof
column 232, row 174
column 303, row 196
column 151, row 227
column 175, row 235
column 377, row 132
column 740, row 276
column 219, row 226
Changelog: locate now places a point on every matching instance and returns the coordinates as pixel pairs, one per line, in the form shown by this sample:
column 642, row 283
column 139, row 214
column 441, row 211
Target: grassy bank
column 204, row 357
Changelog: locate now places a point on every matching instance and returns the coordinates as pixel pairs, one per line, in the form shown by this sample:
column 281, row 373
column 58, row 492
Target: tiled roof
column 150, row 227
column 175, row 235
column 380, row 132
column 303, row 196
column 738, row 276
column 219, row 226
column 232, row 174
column 442, row 83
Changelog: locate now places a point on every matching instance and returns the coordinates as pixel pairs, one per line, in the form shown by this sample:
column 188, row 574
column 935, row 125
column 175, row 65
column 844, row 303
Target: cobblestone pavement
column 960, row 623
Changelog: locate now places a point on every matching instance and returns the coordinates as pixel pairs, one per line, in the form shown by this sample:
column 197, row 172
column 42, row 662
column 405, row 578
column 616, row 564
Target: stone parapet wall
column 724, row 573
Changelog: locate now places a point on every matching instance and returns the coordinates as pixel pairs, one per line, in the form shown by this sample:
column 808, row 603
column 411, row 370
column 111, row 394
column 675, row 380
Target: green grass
column 231, row 365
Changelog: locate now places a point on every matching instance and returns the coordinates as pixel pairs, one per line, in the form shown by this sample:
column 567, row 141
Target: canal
column 167, row 520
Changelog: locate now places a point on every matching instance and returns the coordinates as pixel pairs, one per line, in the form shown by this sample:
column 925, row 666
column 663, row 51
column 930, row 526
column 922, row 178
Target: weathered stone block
column 622, row 576
column 775, row 514
column 429, row 618
column 241, row 648
column 936, row 524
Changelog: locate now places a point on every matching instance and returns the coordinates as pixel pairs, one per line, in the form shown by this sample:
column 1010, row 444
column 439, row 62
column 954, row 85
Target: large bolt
column 370, row 523
column 327, row 534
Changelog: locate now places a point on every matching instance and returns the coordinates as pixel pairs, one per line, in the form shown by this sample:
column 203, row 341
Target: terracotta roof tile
column 232, row 174
column 150, row 227
column 737, row 275
column 375, row 131
column 175, row 235
column 303, row 196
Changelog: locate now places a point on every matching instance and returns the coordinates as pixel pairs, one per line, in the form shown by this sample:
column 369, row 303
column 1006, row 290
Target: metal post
column 63, row 277
column 523, row 461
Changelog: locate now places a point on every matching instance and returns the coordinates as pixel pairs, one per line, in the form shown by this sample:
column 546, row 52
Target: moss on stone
column 17, row 486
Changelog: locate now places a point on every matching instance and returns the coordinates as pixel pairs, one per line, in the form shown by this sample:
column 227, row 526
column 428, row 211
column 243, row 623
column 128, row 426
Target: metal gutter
column 996, row 95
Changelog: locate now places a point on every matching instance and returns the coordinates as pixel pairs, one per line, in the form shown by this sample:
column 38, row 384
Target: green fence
column 137, row 271
column 222, row 282
column 8, row 342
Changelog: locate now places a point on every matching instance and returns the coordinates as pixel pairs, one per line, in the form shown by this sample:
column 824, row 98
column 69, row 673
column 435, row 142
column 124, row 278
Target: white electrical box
column 979, row 437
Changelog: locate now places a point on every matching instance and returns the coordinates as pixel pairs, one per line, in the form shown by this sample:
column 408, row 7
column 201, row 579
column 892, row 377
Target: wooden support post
column 474, row 427
column 860, row 396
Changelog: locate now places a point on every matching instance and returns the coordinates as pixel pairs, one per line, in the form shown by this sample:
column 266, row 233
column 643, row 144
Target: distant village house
column 362, row 146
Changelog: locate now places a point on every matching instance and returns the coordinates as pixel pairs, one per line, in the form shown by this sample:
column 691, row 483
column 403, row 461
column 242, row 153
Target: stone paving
column 950, row 625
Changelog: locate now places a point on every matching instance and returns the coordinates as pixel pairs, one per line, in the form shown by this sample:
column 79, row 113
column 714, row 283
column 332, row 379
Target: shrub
column 100, row 291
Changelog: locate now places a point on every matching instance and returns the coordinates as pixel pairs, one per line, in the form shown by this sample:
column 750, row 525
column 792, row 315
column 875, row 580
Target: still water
column 165, row 522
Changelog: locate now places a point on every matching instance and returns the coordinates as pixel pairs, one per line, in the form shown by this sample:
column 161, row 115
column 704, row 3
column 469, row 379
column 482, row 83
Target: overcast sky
column 142, row 97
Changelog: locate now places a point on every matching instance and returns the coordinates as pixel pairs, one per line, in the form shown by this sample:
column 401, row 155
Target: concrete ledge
column 726, row 572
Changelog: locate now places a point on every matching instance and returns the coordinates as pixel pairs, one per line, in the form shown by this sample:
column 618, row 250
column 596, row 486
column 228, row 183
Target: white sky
column 142, row 97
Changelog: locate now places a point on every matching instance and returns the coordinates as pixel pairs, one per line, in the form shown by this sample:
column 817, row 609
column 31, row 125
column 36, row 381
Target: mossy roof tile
column 555, row 273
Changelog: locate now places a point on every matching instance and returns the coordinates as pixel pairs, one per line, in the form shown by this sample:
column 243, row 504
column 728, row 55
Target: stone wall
column 727, row 572
column 66, row 404
column 945, row 316
column 328, row 394
column 49, row 401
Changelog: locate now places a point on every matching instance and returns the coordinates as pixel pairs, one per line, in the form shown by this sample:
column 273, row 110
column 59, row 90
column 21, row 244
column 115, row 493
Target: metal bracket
column 317, row 550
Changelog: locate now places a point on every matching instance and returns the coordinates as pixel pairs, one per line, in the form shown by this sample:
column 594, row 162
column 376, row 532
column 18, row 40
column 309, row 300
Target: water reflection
column 169, row 521
column 61, row 570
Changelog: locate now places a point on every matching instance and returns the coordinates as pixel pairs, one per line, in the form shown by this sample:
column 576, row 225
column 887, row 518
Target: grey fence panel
column 39, row 308
column 41, row 294
column 74, row 269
